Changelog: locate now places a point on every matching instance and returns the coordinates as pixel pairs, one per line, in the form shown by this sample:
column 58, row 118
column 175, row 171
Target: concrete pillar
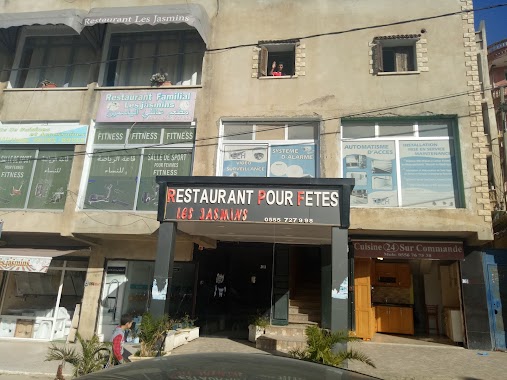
column 339, row 278
column 164, row 263
column 91, row 296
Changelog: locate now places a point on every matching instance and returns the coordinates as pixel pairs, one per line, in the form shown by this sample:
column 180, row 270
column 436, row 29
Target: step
column 309, row 304
column 304, row 318
column 291, row 330
column 304, row 309
column 280, row 343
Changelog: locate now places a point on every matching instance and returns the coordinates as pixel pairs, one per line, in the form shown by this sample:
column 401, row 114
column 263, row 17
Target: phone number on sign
column 288, row 220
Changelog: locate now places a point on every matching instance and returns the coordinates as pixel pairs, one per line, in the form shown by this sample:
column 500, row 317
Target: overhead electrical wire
column 102, row 152
column 237, row 46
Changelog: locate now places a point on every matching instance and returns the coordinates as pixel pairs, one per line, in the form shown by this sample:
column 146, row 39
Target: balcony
column 497, row 54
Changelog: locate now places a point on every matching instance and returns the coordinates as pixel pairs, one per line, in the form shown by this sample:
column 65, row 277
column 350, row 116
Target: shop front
column 41, row 293
column 280, row 241
column 407, row 287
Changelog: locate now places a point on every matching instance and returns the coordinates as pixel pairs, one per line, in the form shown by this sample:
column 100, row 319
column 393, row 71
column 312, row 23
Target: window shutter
column 263, row 61
column 378, row 65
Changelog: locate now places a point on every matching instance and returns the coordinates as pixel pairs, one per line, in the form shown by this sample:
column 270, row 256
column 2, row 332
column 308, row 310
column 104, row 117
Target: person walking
column 118, row 338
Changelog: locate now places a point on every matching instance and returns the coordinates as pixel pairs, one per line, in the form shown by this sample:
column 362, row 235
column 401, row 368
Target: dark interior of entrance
column 234, row 285
column 239, row 281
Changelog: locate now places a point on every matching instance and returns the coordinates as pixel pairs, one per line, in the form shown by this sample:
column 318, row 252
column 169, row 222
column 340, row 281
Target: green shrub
column 320, row 343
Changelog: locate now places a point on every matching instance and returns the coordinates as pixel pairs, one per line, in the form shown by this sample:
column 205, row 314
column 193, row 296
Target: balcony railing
column 497, row 91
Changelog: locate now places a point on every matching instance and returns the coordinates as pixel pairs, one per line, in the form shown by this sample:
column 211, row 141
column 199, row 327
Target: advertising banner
column 373, row 166
column 427, row 175
column 293, row 161
column 25, row 264
column 245, row 161
column 71, row 134
column 146, row 106
column 429, row 250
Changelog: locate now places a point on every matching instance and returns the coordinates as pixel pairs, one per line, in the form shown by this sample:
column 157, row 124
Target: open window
column 395, row 54
column 133, row 57
column 277, row 59
column 54, row 54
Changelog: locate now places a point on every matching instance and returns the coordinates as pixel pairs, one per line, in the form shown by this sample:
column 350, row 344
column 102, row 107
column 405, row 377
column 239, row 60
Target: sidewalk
column 393, row 361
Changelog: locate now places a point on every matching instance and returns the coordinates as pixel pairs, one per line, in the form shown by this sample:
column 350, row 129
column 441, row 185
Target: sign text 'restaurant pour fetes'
column 254, row 204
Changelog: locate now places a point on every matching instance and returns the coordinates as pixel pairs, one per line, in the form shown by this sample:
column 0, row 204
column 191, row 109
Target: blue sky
column 496, row 19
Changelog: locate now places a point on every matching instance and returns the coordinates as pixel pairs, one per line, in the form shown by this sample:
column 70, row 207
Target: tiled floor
column 431, row 340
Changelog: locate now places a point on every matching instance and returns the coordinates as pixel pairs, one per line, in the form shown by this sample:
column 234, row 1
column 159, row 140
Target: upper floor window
column 395, row 54
column 398, row 163
column 277, row 59
column 134, row 57
column 60, row 59
column 268, row 149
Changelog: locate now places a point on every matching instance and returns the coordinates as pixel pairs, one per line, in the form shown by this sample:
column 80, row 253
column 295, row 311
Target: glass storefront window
column 125, row 179
column 273, row 156
column 395, row 168
column 34, row 178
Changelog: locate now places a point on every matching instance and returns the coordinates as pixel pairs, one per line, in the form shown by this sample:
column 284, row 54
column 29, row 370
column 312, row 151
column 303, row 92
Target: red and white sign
column 25, row 264
column 429, row 250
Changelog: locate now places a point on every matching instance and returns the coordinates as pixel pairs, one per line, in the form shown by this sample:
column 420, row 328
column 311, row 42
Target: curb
column 25, row 373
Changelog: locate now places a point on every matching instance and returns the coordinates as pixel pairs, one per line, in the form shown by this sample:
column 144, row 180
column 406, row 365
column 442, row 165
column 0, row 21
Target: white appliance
column 7, row 326
column 112, row 298
column 453, row 324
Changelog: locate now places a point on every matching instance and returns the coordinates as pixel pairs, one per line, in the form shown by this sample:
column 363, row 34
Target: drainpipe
column 503, row 109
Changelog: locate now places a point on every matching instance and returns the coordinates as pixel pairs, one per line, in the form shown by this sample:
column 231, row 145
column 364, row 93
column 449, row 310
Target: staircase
column 304, row 310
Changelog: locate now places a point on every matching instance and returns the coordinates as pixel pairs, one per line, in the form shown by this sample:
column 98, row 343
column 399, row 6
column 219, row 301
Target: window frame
column 39, row 31
column 115, row 29
column 393, row 42
column 452, row 137
column 264, row 57
column 91, row 146
column 268, row 143
column 38, row 148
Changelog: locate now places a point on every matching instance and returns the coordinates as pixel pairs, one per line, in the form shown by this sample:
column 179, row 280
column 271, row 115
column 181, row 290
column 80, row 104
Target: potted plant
column 47, row 84
column 152, row 332
column 321, row 348
column 159, row 79
column 91, row 357
column 257, row 327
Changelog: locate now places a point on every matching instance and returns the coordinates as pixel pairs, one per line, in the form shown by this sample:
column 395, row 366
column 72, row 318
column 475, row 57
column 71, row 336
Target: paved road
column 393, row 361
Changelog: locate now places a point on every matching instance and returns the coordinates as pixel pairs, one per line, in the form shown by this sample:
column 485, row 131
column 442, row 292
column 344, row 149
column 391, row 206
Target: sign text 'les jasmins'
column 257, row 205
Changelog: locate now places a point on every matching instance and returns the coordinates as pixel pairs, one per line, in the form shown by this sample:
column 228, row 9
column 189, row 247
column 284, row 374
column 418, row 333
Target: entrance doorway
column 414, row 299
column 305, row 284
column 234, row 286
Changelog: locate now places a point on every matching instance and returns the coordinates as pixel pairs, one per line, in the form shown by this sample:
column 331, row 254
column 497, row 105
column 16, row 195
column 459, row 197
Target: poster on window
column 373, row 166
column 427, row 175
column 15, row 171
column 295, row 161
column 113, row 180
column 50, row 179
column 245, row 161
column 160, row 162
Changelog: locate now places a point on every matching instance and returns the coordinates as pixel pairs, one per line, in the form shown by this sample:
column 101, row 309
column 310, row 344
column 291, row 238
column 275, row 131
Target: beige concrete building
column 87, row 125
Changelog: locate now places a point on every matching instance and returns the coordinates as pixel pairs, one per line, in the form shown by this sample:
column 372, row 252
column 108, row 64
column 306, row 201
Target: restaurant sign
column 146, row 106
column 253, row 204
column 429, row 250
column 62, row 133
column 25, row 263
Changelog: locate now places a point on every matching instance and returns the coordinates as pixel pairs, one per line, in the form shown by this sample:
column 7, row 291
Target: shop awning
column 70, row 17
column 190, row 14
column 28, row 259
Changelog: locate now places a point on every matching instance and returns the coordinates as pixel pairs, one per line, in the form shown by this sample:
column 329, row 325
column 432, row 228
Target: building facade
column 99, row 100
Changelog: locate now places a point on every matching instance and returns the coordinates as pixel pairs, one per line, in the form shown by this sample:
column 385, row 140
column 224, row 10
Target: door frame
column 491, row 258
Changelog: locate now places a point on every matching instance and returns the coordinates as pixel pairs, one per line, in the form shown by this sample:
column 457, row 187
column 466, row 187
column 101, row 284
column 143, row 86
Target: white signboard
column 25, row 264
column 61, row 133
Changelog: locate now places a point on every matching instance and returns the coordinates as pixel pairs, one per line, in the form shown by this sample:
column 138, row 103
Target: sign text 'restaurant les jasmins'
column 137, row 19
column 255, row 205
column 147, row 106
